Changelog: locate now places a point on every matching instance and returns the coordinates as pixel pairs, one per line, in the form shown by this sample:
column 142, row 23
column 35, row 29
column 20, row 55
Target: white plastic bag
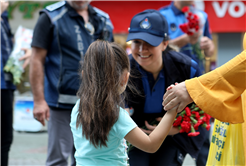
column 23, row 39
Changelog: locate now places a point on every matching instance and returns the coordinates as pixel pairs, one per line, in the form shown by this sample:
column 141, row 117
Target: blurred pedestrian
column 61, row 37
column 7, row 86
column 174, row 15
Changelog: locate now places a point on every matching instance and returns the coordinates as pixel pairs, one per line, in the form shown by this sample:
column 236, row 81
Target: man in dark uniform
column 61, row 37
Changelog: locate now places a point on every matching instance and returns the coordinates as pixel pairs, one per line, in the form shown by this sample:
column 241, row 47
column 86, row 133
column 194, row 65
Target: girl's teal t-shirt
column 113, row 155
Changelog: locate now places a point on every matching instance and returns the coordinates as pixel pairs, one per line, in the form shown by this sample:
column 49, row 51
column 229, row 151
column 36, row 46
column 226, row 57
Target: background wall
column 229, row 45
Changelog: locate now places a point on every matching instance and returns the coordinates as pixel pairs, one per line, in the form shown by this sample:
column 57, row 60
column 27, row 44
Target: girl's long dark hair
column 102, row 68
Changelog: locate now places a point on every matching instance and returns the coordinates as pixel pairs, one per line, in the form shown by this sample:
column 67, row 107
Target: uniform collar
column 72, row 12
column 176, row 11
column 145, row 73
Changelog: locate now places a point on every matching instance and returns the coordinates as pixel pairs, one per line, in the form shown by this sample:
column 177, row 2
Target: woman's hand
column 173, row 131
column 150, row 127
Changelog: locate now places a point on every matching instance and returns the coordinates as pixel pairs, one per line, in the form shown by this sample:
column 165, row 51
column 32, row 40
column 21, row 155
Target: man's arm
column 36, row 75
column 184, row 39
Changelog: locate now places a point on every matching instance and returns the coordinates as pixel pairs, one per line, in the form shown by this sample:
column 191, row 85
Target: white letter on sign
column 235, row 13
column 220, row 12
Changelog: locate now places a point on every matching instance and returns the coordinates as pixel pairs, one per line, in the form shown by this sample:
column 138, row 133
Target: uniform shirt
column 6, row 48
column 114, row 154
column 175, row 17
column 155, row 89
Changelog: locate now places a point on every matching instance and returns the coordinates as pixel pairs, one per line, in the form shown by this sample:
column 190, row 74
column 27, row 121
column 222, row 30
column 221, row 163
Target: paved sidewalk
column 29, row 149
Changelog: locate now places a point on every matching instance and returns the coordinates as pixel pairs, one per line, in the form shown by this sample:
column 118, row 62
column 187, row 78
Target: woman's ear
column 82, row 73
column 165, row 43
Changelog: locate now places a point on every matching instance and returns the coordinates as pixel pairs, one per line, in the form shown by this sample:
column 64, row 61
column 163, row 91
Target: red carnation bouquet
column 195, row 23
column 190, row 119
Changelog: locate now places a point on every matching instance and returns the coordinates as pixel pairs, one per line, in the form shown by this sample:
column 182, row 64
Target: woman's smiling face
column 147, row 56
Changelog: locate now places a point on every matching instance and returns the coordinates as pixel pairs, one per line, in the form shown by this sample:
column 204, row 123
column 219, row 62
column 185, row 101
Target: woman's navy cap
column 150, row 26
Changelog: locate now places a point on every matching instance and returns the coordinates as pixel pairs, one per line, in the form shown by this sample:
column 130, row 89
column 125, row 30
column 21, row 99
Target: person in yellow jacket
column 221, row 93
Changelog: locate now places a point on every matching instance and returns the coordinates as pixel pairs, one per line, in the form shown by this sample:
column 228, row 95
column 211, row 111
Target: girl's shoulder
column 75, row 108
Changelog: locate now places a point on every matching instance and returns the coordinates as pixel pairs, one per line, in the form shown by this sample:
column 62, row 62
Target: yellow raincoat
column 222, row 92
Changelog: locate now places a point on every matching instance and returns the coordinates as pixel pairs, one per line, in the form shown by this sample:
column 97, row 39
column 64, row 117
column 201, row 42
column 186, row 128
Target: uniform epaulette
column 55, row 6
column 102, row 13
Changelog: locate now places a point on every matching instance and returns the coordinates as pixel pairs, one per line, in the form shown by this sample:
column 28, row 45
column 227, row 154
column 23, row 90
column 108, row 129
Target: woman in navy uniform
column 154, row 66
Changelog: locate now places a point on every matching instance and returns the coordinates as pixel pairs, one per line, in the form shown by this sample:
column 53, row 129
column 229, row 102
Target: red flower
column 190, row 119
column 187, row 110
column 184, row 27
column 196, row 114
column 177, row 122
column 193, row 22
column 199, row 122
column 186, row 118
column 196, row 17
column 185, row 9
column 208, row 127
column 186, row 126
column 197, row 28
column 193, row 133
column 182, row 130
column 190, row 14
column 206, row 118
column 190, row 33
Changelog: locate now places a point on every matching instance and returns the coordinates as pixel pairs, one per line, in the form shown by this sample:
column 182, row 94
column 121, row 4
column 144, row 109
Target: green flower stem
column 193, row 120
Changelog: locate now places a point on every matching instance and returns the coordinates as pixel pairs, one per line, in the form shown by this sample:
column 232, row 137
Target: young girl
column 155, row 66
column 98, row 123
